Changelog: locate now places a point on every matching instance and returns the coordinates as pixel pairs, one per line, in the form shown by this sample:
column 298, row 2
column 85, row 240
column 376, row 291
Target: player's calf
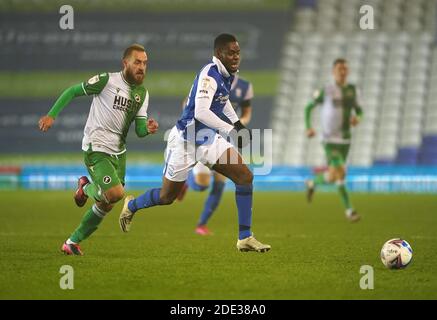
column 114, row 194
column 166, row 199
column 310, row 189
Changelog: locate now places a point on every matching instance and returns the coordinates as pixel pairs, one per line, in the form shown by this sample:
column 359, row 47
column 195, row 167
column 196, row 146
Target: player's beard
column 132, row 79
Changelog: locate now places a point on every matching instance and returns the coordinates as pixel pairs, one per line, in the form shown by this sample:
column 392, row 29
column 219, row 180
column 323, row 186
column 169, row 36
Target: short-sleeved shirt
column 115, row 105
column 337, row 104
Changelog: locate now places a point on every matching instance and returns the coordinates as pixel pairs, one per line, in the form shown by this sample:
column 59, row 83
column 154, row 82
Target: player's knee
column 245, row 178
column 219, row 178
column 339, row 174
column 202, row 180
column 115, row 196
column 342, row 173
column 332, row 175
column 167, row 198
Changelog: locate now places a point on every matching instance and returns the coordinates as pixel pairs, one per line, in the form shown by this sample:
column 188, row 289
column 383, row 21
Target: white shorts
column 181, row 156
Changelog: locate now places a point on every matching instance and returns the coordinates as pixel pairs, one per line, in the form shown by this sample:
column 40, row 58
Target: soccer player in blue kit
column 196, row 138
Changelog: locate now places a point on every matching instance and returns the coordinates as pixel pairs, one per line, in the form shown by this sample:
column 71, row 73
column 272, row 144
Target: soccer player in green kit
column 340, row 109
column 119, row 98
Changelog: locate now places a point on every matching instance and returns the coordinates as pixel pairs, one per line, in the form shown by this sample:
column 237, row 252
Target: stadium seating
column 394, row 66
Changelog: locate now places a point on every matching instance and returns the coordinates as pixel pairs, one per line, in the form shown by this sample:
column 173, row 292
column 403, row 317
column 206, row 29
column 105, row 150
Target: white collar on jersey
column 123, row 78
column 221, row 67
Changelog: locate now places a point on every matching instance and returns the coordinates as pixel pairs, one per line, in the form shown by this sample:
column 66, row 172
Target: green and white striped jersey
column 337, row 104
column 115, row 105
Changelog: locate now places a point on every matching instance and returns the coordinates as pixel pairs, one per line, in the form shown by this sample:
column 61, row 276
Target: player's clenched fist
column 354, row 121
column 45, row 123
column 152, row 125
column 311, row 132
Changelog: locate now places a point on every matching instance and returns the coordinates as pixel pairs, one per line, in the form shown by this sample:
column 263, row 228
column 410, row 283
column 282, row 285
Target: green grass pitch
column 316, row 253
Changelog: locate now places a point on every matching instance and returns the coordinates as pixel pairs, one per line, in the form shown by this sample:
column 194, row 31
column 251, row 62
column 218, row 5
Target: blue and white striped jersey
column 208, row 107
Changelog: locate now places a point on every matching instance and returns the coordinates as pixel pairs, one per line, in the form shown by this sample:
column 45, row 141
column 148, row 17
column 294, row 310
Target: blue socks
column 243, row 196
column 212, row 202
column 148, row 199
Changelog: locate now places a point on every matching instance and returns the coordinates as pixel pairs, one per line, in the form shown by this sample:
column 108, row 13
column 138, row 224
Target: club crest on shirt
column 107, row 179
column 137, row 97
column 205, row 83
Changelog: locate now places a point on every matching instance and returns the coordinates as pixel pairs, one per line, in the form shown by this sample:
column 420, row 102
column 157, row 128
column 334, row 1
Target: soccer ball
column 396, row 254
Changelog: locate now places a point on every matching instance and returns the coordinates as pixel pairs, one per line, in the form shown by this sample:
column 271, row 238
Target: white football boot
column 352, row 215
column 126, row 215
column 251, row 244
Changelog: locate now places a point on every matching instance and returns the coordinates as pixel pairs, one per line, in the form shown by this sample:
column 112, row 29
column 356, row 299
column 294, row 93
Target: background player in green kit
column 340, row 109
column 118, row 99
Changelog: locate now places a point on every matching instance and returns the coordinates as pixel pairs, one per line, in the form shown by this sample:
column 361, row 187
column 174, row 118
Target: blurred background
column 287, row 52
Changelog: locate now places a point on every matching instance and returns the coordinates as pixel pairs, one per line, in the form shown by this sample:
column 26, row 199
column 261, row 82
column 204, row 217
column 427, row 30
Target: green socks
column 344, row 196
column 319, row 179
column 88, row 225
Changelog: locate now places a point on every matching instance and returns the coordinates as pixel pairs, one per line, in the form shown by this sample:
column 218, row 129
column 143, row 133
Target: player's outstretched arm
column 69, row 94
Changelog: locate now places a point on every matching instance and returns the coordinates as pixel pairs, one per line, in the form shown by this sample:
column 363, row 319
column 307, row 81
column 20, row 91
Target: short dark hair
column 133, row 47
column 223, row 39
column 338, row 61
